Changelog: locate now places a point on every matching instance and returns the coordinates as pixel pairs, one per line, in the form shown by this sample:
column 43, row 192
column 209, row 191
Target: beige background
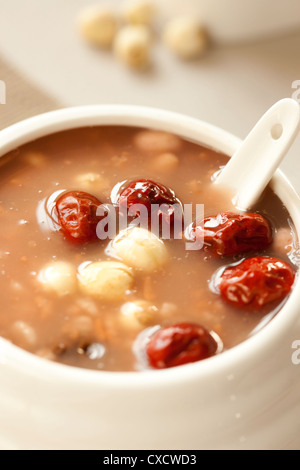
column 46, row 65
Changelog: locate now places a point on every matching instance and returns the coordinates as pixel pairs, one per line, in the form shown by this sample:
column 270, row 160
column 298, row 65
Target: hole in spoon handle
column 276, row 131
column 252, row 166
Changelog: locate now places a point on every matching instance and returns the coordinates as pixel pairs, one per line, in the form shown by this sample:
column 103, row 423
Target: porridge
column 138, row 300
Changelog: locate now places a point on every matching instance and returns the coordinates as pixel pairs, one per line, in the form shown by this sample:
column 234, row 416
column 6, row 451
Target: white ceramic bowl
column 247, row 397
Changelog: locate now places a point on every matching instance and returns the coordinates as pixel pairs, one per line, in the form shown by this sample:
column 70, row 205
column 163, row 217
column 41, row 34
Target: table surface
column 230, row 87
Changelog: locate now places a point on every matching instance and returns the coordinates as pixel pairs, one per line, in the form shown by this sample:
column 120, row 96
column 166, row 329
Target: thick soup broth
column 78, row 328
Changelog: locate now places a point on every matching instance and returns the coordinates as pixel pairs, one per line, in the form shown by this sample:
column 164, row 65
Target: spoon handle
column 252, row 166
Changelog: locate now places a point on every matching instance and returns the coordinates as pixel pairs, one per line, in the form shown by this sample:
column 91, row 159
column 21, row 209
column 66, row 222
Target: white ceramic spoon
column 252, row 166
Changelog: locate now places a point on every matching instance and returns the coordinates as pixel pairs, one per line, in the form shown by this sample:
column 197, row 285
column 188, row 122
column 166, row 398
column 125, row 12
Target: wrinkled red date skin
column 147, row 192
column 256, row 281
column 76, row 213
column 231, row 234
column 180, row 344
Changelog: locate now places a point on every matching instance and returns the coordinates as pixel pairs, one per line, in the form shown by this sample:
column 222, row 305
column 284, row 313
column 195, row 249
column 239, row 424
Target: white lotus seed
column 283, row 240
column 186, row 37
column 91, row 182
column 23, row 334
column 46, row 353
column 156, row 141
column 132, row 46
column 140, row 249
column 137, row 314
column 59, row 277
column 79, row 327
column 106, row 280
column 168, row 309
column 35, row 159
column 165, row 163
column 97, row 25
column 139, row 11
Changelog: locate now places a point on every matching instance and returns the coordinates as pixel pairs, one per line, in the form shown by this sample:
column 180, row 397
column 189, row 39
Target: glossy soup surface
column 79, row 329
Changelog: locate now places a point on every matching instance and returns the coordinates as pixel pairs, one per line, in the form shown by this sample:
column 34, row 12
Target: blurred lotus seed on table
column 132, row 32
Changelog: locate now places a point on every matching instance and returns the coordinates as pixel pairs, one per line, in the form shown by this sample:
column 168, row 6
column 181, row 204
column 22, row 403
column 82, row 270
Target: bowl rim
column 251, row 350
